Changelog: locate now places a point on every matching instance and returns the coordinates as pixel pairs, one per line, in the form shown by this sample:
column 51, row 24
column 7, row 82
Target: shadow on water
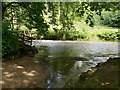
column 67, row 61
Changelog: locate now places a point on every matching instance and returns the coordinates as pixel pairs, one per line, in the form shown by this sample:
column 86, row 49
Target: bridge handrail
column 24, row 37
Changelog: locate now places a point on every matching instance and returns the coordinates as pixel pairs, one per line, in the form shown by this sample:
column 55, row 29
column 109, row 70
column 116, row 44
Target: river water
column 68, row 59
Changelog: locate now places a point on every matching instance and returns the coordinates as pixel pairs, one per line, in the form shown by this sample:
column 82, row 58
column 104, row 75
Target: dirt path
column 23, row 73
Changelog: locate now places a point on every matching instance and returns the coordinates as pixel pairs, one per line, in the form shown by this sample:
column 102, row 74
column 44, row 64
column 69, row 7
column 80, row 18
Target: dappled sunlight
column 23, row 73
column 26, row 82
column 6, row 73
column 19, row 67
column 2, row 82
column 31, row 73
column 9, row 75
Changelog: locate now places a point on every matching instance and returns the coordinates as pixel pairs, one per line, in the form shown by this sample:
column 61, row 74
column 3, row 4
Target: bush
column 10, row 43
column 70, row 35
column 114, row 36
column 74, row 35
column 52, row 35
column 111, row 19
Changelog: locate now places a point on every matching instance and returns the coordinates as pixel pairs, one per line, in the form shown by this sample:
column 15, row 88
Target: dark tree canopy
column 31, row 14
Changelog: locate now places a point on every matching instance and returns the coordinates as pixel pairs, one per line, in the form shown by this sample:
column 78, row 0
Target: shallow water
column 58, row 54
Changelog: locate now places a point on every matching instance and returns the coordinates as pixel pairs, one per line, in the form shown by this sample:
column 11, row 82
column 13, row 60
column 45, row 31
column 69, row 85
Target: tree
column 16, row 14
column 61, row 16
column 89, row 8
column 67, row 11
column 29, row 14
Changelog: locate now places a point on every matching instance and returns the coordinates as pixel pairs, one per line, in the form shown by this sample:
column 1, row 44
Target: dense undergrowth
column 12, row 47
column 114, row 36
column 10, row 43
column 87, row 34
column 70, row 35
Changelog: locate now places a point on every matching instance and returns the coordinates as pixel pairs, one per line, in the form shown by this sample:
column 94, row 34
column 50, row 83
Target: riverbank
column 27, row 73
column 23, row 72
column 104, row 75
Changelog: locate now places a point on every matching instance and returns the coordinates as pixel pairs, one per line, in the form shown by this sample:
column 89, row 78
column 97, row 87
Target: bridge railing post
column 24, row 38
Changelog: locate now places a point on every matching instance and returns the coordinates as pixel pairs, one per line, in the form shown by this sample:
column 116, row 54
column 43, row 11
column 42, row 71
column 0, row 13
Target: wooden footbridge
column 26, row 38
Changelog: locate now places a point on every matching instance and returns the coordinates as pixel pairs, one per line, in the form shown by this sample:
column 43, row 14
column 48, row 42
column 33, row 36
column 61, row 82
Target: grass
column 92, row 32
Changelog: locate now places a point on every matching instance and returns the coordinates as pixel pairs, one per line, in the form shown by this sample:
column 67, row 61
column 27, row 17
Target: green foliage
column 111, row 19
column 70, row 35
column 91, row 8
column 10, row 43
column 29, row 14
column 61, row 15
column 77, row 35
column 35, row 14
column 109, row 36
column 52, row 35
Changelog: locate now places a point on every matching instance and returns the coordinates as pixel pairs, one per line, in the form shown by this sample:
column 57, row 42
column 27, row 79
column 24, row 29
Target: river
column 68, row 59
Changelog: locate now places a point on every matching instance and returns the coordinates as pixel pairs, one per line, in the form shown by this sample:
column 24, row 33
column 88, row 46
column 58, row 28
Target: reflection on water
column 79, row 48
column 62, row 69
